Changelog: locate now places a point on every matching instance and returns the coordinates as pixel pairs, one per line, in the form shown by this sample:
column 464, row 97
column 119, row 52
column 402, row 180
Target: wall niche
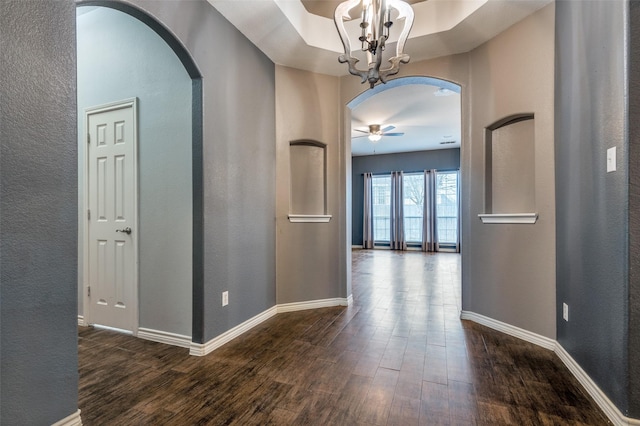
column 308, row 171
column 510, row 171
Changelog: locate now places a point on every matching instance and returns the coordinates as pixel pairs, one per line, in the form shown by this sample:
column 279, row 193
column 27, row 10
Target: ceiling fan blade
column 389, row 127
column 393, row 134
column 356, row 137
column 361, row 131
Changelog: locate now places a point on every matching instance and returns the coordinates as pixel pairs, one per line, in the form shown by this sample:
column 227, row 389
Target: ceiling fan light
column 374, row 137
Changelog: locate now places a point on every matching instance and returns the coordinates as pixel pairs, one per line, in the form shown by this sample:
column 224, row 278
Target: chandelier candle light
column 375, row 26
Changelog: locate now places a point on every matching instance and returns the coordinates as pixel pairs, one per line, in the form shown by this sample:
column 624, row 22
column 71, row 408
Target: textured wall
column 634, row 210
column 238, row 163
column 38, row 200
column 308, row 254
column 592, row 205
column 508, row 270
column 443, row 159
column 110, row 69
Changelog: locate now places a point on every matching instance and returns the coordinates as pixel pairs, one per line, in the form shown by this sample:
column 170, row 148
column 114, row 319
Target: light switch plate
column 611, row 160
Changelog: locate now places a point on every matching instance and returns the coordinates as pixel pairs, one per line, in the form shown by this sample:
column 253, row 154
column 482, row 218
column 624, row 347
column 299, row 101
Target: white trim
column 509, row 218
column 605, row 404
column 71, row 420
column 202, row 349
column 164, row 337
column 314, row 304
column 509, row 329
column 358, row 247
column 309, row 218
column 81, row 322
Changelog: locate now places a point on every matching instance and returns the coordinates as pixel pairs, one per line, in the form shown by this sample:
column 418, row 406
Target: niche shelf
column 510, row 171
column 308, row 188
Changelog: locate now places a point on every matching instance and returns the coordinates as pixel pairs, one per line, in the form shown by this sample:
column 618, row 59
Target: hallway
column 399, row 355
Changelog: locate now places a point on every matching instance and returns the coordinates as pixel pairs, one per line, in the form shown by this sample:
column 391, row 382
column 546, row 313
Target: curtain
column 367, row 219
column 396, row 220
column 429, row 240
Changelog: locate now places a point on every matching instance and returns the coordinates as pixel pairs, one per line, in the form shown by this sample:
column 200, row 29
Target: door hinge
column 88, row 214
column 88, row 137
column 88, row 291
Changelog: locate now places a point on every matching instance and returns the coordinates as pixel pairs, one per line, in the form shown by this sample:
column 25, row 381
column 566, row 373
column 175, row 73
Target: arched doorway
column 159, row 72
column 409, row 159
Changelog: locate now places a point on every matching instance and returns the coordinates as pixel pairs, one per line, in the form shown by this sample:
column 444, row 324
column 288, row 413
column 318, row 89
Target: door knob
column 126, row 230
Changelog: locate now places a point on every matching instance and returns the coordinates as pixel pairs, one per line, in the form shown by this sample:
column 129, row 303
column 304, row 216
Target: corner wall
column 238, row 86
column 592, row 205
column 38, row 223
column 508, row 269
column 308, row 254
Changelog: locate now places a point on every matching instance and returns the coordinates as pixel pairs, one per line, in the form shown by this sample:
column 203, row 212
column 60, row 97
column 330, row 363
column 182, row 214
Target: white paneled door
column 111, row 222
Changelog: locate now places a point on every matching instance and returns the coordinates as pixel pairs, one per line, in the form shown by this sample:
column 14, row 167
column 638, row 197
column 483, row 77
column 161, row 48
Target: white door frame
column 126, row 103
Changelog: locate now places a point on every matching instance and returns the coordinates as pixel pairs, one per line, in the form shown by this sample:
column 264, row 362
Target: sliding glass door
column 446, row 201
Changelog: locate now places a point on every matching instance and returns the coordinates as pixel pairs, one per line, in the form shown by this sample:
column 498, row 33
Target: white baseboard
column 509, row 329
column 164, row 337
column 71, row 420
column 605, row 404
column 202, row 349
column 314, row 304
column 81, row 322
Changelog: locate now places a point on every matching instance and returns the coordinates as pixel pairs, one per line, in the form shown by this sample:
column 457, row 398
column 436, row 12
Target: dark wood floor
column 399, row 356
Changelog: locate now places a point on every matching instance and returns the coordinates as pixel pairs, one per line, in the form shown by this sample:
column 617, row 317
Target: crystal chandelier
column 375, row 25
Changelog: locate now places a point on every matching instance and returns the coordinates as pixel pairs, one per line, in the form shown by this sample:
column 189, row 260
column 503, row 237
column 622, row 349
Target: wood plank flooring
column 399, row 355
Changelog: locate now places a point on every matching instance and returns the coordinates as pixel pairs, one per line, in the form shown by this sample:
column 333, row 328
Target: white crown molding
column 605, row 404
column 164, row 337
column 71, row 420
column 527, row 218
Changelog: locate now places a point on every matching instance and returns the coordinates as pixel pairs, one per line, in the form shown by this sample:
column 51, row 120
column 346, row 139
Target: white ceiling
column 292, row 36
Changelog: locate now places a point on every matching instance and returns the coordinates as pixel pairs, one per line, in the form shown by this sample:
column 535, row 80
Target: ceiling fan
column 375, row 133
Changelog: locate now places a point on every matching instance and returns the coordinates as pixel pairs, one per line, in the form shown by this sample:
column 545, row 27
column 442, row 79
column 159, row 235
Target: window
column 413, row 189
column 447, row 207
column 381, row 186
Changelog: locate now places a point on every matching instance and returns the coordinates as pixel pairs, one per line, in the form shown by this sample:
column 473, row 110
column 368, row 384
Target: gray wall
column 634, row 210
column 238, row 85
column 442, row 159
column 310, row 256
column 38, row 163
column 112, row 68
column 592, row 205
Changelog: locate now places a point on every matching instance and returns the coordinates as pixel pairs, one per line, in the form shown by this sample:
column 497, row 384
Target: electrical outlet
column 565, row 311
column 225, row 298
